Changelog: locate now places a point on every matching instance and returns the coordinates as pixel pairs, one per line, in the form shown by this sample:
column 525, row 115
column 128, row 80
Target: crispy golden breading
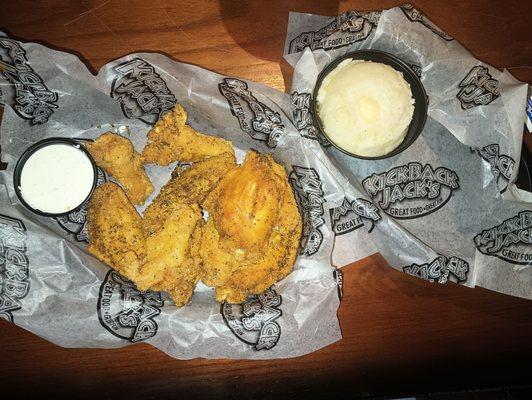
column 116, row 156
column 167, row 260
column 251, row 238
column 114, row 229
column 172, row 139
column 186, row 282
column 170, row 225
column 187, row 186
column 168, row 265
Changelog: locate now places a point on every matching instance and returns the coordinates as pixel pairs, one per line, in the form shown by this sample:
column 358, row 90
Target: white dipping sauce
column 56, row 178
column 365, row 107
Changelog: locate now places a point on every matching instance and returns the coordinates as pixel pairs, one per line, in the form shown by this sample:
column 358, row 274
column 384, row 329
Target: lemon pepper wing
column 168, row 265
column 114, row 228
column 187, row 186
column 171, row 139
column 172, row 227
column 116, row 156
column 245, row 204
column 251, row 238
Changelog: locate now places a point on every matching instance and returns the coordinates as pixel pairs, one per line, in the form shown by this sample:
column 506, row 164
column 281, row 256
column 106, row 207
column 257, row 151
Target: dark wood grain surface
column 401, row 335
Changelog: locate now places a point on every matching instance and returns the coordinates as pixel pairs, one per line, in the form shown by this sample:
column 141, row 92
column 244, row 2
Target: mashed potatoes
column 365, row 107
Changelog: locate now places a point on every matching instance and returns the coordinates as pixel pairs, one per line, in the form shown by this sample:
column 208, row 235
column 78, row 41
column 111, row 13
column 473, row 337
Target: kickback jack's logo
column 309, row 195
column 478, row 88
column 412, row 190
column 510, row 241
column 353, row 214
column 501, row 165
column 338, row 276
column 14, row 273
column 343, row 30
column 302, row 115
column 141, row 91
column 125, row 311
column 415, row 15
column 255, row 118
column 441, row 270
column 417, row 70
column 32, row 100
column 254, row 321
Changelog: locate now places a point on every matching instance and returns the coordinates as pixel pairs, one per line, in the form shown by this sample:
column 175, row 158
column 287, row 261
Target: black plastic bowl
column 39, row 145
column 418, row 93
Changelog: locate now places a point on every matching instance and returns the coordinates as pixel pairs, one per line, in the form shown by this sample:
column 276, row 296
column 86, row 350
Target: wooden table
column 401, row 335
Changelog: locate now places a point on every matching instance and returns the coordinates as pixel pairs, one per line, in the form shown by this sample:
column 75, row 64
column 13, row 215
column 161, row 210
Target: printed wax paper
column 53, row 287
column 446, row 208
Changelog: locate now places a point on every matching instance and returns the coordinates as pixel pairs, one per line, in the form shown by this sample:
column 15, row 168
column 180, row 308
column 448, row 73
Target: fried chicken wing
column 186, row 282
column 169, row 265
column 187, row 186
column 251, row 238
column 167, row 260
column 114, row 229
column 171, row 227
column 116, row 156
column 172, row 139
column 244, row 206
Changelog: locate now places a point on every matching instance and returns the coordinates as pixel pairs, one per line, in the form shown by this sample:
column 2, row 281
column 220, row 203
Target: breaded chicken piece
column 168, row 265
column 166, row 260
column 171, row 225
column 244, row 206
column 191, row 265
column 114, row 229
column 187, row 186
column 116, row 156
column 251, row 238
column 171, row 139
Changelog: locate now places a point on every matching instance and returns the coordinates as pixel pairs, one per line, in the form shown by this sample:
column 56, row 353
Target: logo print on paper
column 125, row 311
column 302, row 115
column 352, row 215
column 253, row 321
column 255, row 118
column 32, row 99
column 75, row 223
column 344, row 29
column 412, row 190
column 141, row 91
column 501, row 165
column 309, row 195
column 441, row 270
column 338, row 276
column 417, row 69
column 478, row 88
column 416, row 16
column 14, row 283
column 510, row 241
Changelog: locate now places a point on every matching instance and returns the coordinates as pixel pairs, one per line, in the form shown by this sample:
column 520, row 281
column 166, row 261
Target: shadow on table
column 248, row 22
column 373, row 277
column 51, row 46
